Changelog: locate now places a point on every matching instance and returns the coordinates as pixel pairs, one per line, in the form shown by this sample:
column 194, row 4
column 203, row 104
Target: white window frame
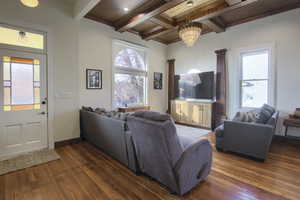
column 122, row 70
column 22, row 48
column 271, row 76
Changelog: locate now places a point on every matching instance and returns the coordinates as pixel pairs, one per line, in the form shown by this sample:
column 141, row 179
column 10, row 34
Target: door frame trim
column 49, row 65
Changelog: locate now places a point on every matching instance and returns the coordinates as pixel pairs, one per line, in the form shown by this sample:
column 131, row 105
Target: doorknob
column 43, row 113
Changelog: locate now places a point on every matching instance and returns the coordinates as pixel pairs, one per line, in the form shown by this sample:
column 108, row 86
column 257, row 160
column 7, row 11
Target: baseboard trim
column 288, row 138
column 67, row 142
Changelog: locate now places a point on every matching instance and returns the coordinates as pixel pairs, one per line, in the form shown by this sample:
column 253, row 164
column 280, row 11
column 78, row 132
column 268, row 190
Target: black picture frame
column 158, row 81
column 93, row 79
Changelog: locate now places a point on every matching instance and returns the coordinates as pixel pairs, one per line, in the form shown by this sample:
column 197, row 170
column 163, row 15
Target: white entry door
column 23, row 100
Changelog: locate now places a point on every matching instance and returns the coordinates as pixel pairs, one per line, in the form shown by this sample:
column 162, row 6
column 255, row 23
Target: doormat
column 27, row 160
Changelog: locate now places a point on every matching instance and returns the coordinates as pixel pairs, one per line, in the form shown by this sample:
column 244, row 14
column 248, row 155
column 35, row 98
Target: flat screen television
column 195, row 86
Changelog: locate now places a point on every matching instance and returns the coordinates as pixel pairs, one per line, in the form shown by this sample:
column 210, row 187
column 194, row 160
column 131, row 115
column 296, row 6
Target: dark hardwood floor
column 86, row 173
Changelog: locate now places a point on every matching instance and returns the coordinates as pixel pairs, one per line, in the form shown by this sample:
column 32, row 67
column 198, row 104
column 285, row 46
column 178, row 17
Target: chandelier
column 190, row 32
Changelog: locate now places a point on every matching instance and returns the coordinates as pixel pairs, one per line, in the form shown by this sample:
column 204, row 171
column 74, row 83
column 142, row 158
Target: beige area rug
column 27, row 160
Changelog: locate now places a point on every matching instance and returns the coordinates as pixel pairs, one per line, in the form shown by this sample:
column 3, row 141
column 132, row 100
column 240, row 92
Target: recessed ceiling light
column 126, row 9
column 30, row 3
column 190, row 3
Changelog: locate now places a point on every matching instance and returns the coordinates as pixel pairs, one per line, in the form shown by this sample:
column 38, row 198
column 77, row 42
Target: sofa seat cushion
column 187, row 135
column 265, row 114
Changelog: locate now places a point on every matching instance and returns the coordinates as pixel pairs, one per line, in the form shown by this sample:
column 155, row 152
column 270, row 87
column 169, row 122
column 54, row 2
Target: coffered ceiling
column 159, row 19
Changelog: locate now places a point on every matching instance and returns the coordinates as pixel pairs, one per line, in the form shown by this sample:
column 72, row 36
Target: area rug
column 191, row 131
column 27, row 160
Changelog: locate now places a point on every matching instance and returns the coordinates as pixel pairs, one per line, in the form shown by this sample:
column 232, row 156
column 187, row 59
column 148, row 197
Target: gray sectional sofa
column 176, row 158
column 110, row 134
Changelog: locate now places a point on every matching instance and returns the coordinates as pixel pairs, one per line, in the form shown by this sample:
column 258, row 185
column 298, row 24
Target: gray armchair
column 161, row 154
column 251, row 139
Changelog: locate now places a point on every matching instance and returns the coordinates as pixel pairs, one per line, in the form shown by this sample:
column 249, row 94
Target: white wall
column 283, row 30
column 76, row 45
column 95, row 51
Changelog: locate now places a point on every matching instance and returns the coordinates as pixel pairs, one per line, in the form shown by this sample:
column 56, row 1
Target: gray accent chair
column 178, row 163
column 250, row 139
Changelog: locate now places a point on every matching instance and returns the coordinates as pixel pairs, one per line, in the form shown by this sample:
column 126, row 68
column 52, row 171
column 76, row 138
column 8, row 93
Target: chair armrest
column 194, row 164
column 249, row 138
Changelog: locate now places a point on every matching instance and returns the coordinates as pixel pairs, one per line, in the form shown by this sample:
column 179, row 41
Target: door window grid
column 34, row 66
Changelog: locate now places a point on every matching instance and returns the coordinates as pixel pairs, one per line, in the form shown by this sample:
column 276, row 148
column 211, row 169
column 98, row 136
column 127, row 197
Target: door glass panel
column 20, row 38
column 21, row 84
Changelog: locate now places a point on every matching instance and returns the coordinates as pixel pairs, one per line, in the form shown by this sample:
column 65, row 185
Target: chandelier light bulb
column 30, row 3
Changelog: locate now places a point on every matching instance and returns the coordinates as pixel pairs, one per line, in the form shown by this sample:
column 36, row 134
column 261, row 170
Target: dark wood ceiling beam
column 97, row 19
column 225, row 10
column 220, row 21
column 162, row 21
column 266, row 14
column 210, row 13
column 148, row 6
column 214, row 26
column 158, row 33
column 144, row 17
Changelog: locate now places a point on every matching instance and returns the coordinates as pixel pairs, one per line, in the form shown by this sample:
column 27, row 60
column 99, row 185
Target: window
column 10, row 36
column 21, row 81
column 256, row 80
column 130, row 75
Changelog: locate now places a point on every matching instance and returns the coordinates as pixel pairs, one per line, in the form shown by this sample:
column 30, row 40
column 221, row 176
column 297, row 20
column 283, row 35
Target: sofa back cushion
column 157, row 145
column 149, row 126
column 152, row 115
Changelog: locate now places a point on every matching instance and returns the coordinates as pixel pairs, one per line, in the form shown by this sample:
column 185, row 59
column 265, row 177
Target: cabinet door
column 176, row 110
column 207, row 115
column 184, row 114
column 196, row 114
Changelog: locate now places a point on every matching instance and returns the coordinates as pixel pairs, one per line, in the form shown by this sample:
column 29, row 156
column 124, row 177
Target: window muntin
column 21, row 81
column 131, row 59
column 130, row 75
column 255, row 80
column 20, row 38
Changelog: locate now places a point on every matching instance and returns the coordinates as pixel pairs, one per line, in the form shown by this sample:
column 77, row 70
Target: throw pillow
column 90, row 109
column 250, row 116
column 265, row 114
column 100, row 110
